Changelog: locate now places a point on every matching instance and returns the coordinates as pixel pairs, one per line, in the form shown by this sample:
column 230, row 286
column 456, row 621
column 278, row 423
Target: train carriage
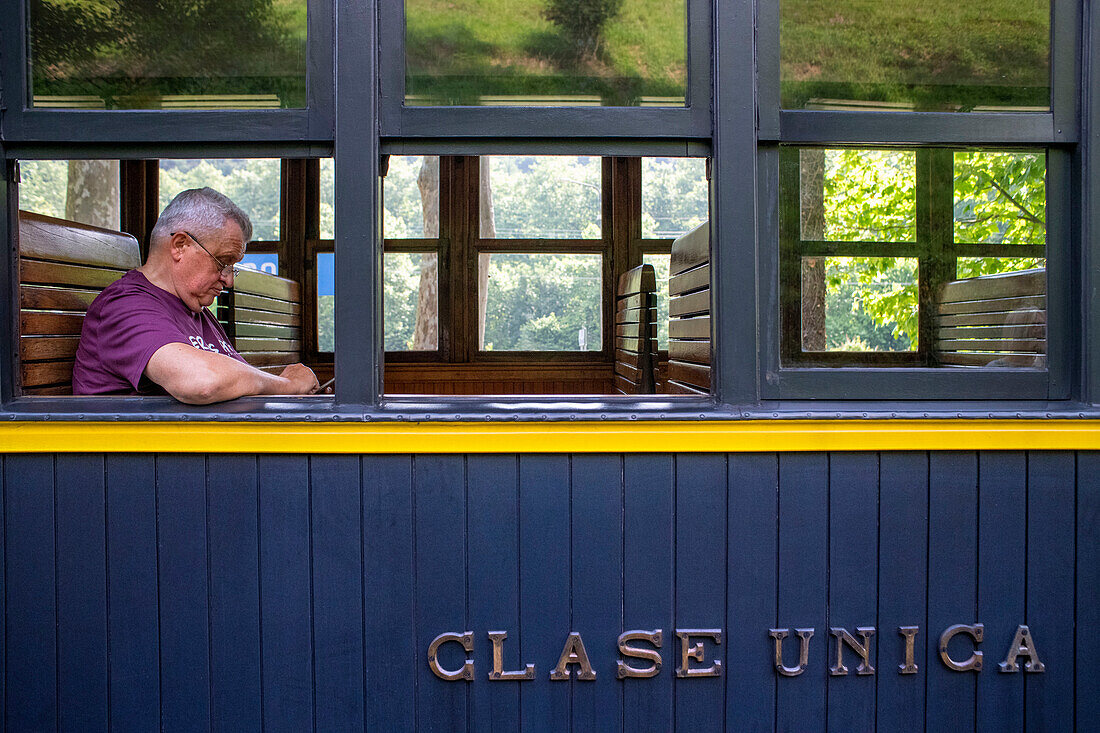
column 698, row 366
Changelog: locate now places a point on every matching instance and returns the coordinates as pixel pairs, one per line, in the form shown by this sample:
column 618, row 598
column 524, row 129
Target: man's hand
column 302, row 379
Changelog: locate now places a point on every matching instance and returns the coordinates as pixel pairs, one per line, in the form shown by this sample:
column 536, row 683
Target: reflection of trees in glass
column 131, row 52
column 458, row 51
column 582, row 21
column 933, row 54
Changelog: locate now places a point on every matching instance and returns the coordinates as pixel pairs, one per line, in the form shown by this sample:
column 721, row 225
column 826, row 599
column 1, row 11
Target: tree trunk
column 92, row 193
column 488, row 231
column 812, row 204
column 426, row 332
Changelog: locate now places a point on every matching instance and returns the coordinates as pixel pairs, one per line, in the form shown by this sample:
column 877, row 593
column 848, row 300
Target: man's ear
column 176, row 244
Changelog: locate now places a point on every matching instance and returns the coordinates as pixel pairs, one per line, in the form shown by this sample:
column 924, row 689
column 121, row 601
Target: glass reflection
column 935, row 55
column 185, row 54
column 622, row 53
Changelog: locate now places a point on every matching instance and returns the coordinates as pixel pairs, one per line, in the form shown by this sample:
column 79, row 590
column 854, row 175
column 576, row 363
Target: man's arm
column 200, row 377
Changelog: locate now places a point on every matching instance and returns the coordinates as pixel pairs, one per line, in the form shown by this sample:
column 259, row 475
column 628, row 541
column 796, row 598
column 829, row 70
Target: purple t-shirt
column 125, row 326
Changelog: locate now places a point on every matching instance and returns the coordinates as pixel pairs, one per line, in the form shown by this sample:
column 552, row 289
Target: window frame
column 740, row 128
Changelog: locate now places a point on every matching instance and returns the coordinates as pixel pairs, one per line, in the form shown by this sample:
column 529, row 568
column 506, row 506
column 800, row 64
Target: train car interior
column 569, row 275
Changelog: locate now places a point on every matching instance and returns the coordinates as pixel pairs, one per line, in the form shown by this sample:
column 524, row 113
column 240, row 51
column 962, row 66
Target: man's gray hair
column 200, row 208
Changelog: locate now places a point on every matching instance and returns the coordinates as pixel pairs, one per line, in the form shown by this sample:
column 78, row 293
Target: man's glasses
column 223, row 269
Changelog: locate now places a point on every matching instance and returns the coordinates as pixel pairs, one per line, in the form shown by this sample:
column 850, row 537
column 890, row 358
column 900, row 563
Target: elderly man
column 150, row 331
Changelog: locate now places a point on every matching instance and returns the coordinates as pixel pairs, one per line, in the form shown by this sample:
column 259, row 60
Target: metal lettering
column 1022, row 646
column 650, row 655
column 573, row 653
column 910, row 634
column 863, row 650
column 803, row 650
column 974, row 662
column 689, row 651
column 498, row 673
column 467, row 671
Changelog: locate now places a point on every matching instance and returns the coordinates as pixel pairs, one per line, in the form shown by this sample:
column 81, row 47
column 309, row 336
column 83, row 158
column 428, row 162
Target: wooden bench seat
column 63, row 266
column 993, row 320
column 689, row 345
column 635, row 331
column 262, row 315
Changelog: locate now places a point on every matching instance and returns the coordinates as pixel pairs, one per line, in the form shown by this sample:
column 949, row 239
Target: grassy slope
column 878, row 50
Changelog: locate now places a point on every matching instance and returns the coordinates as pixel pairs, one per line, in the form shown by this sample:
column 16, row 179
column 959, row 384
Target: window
column 865, row 280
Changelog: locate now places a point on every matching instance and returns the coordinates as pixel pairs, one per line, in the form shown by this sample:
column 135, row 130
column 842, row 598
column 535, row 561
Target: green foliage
column 999, row 198
column 545, row 197
column 459, row 50
column 870, row 196
column 43, row 186
column 253, row 184
column 326, row 322
column 934, row 55
column 130, row 52
column 541, row 302
column 582, row 21
column 675, row 196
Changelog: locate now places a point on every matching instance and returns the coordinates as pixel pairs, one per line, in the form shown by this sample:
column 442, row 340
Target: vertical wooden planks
column 1050, row 590
column 902, row 593
column 285, row 612
column 1002, row 509
column 233, row 544
column 853, row 583
column 952, row 592
column 392, row 657
column 700, row 579
column 441, row 584
column 81, row 593
column 493, row 510
column 752, row 539
column 544, row 561
column 648, row 542
column 1088, row 587
column 184, row 614
column 803, row 555
column 31, row 635
column 337, row 592
column 132, row 592
column 596, row 581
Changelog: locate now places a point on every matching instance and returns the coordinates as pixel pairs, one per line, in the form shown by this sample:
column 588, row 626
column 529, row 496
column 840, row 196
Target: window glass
column 252, row 183
column 184, row 54
column 542, row 197
column 1000, row 198
column 675, row 196
column 926, row 56
column 263, row 262
column 327, row 213
column 542, row 302
column 410, row 197
column 870, row 304
column 86, row 191
column 977, row 269
column 556, row 52
column 858, row 195
column 660, row 265
column 326, row 296
column 410, row 301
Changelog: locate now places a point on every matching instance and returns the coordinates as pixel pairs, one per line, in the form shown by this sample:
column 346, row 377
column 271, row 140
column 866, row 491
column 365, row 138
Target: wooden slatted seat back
column 635, row 331
column 689, row 314
column 993, row 320
column 262, row 315
column 63, row 265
